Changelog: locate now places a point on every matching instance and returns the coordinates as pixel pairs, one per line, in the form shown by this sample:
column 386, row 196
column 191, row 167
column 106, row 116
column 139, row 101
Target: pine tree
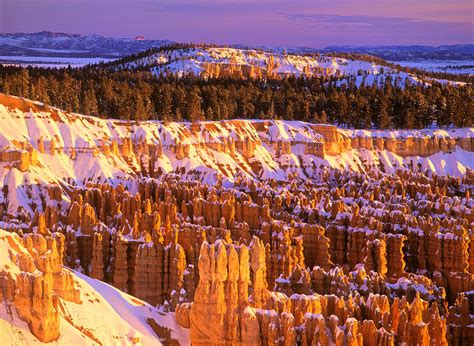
column 193, row 106
column 24, row 84
column 209, row 114
column 306, row 113
column 289, row 114
column 384, row 119
column 139, row 109
column 166, row 106
column 89, row 103
column 179, row 99
column 41, row 90
column 409, row 120
column 271, row 110
column 323, row 119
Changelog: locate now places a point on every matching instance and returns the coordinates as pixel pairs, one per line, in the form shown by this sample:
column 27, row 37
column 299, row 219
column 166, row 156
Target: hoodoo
column 236, row 196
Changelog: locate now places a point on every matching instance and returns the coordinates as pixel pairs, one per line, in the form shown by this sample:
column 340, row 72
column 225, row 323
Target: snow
column 455, row 163
column 185, row 61
column 88, row 135
column 438, row 133
column 104, row 314
column 126, row 313
column 55, row 50
column 398, row 79
column 448, row 66
column 193, row 60
column 50, row 61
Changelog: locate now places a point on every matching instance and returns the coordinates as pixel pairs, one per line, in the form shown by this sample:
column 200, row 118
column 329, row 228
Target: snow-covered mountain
column 455, row 59
column 52, row 49
column 51, row 44
column 44, row 145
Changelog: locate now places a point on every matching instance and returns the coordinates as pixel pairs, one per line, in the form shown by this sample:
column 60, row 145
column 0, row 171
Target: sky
column 310, row 23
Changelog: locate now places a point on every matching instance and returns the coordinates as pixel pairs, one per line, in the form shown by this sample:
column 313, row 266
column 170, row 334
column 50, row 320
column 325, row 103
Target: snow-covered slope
column 104, row 315
column 224, row 61
column 194, row 60
column 40, row 145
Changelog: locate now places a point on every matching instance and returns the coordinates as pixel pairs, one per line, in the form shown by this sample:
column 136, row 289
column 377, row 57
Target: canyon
column 240, row 232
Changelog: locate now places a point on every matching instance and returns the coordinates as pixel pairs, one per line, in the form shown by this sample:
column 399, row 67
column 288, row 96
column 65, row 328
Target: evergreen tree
column 42, row 90
column 409, row 120
column 323, row 119
column 139, row 111
column 289, row 111
column 89, row 103
column 24, row 84
column 193, row 106
column 384, row 122
column 271, row 110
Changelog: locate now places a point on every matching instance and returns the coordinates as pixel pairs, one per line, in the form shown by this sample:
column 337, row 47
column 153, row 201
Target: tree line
column 140, row 95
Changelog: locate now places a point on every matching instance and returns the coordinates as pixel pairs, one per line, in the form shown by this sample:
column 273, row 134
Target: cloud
column 364, row 29
column 363, row 20
column 222, row 7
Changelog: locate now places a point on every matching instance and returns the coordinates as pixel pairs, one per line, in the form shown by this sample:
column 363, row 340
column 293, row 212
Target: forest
column 139, row 95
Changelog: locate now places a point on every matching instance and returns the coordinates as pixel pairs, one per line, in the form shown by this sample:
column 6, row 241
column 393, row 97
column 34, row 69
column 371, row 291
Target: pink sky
column 313, row 23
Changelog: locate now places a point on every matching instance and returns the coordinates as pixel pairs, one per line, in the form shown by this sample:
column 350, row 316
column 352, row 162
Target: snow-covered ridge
column 40, row 145
column 250, row 63
column 196, row 60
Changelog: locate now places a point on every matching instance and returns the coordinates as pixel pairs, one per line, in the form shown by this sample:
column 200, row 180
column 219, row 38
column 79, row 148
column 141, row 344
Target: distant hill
column 212, row 62
column 52, row 44
column 411, row 53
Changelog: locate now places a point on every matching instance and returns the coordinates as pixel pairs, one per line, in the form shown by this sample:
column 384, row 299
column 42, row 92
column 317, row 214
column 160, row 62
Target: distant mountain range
column 46, row 43
column 52, row 44
column 411, row 53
